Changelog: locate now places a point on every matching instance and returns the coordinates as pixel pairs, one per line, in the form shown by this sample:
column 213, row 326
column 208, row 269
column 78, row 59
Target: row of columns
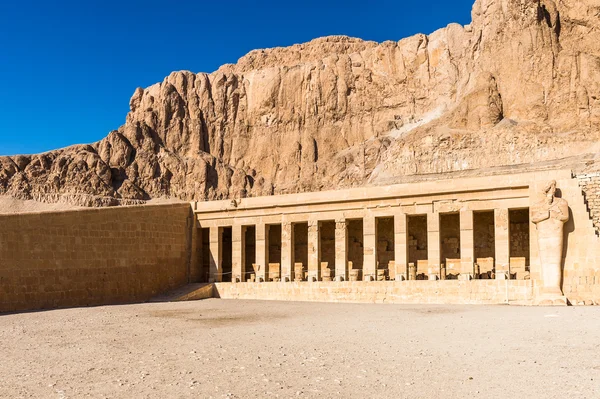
column 501, row 223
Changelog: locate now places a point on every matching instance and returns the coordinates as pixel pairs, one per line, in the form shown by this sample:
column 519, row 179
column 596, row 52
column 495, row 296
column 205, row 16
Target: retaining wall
column 93, row 257
column 401, row 292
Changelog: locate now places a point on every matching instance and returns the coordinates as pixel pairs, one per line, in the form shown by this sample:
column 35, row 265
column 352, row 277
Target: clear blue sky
column 68, row 68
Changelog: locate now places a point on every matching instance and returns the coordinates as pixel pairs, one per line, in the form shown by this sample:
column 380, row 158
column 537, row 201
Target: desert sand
column 252, row 349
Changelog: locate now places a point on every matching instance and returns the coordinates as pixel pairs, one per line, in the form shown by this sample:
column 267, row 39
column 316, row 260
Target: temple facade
column 517, row 238
column 474, row 234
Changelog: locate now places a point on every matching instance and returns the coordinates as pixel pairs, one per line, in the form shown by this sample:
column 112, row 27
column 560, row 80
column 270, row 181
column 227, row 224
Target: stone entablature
column 438, row 246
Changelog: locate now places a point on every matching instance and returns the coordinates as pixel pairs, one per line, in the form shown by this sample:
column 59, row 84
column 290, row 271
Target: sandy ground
column 252, row 349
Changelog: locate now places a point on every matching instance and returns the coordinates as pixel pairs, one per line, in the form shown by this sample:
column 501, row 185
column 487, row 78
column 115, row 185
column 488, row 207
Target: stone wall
column 590, row 185
column 93, row 257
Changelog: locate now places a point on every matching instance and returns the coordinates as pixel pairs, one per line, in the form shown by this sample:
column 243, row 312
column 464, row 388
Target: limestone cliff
column 520, row 84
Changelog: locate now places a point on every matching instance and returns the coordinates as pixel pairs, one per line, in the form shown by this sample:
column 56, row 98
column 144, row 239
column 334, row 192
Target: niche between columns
column 274, row 255
column 355, row 245
column 519, row 243
column 249, row 251
column 450, row 243
column 484, row 241
column 301, row 244
column 227, row 253
column 327, row 245
column 205, row 255
column 385, row 245
column 417, row 243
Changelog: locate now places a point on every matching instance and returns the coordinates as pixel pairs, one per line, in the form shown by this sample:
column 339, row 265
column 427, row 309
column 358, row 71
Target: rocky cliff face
column 520, row 84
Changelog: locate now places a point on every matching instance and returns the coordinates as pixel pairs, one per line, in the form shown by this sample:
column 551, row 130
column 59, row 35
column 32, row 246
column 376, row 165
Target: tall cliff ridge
column 520, row 84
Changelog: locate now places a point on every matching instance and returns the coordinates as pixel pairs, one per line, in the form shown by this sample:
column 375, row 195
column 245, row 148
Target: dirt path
column 251, row 349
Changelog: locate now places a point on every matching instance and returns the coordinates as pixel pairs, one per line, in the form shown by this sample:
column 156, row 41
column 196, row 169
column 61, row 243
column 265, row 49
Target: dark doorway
column 417, row 243
column 227, row 254
column 250, row 252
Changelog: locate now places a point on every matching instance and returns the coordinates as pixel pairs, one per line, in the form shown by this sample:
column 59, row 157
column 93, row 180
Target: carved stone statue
column 549, row 215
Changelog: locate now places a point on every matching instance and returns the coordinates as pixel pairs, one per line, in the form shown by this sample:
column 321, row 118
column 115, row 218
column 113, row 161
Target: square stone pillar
column 341, row 249
column 467, row 244
column 238, row 253
column 262, row 251
column 215, row 271
column 370, row 248
column 400, row 247
column 195, row 274
column 501, row 229
column 433, row 241
column 314, row 251
column 287, row 251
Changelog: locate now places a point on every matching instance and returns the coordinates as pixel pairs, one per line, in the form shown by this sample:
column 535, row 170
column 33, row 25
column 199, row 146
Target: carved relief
column 501, row 220
column 340, row 224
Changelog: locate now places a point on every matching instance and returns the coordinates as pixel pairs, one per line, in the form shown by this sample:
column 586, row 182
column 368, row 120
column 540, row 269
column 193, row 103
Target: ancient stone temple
column 521, row 238
column 474, row 240
column 479, row 168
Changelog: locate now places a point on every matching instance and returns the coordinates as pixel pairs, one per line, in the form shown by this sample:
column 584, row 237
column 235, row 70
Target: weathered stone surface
column 590, row 185
column 93, row 256
column 521, row 82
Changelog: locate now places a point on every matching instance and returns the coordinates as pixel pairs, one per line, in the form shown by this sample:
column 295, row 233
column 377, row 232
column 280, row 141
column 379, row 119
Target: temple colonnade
column 475, row 228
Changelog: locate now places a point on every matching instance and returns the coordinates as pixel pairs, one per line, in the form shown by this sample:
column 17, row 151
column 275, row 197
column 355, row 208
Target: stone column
column 238, row 255
column 501, row 230
column 433, row 242
column 341, row 250
column 287, row 251
column 216, row 248
column 262, row 251
column 314, row 251
column 467, row 245
column 195, row 270
column 370, row 247
column 400, row 247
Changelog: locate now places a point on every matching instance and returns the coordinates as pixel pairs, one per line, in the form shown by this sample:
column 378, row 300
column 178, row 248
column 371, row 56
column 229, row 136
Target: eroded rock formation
column 520, row 84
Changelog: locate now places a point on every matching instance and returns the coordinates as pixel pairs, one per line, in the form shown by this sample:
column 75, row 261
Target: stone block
column 354, row 275
column 453, row 266
column 412, row 271
column 501, row 275
column 299, row 272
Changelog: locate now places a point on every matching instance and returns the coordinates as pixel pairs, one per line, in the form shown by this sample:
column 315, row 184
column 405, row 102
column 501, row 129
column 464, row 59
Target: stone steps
column 589, row 185
column 582, row 216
